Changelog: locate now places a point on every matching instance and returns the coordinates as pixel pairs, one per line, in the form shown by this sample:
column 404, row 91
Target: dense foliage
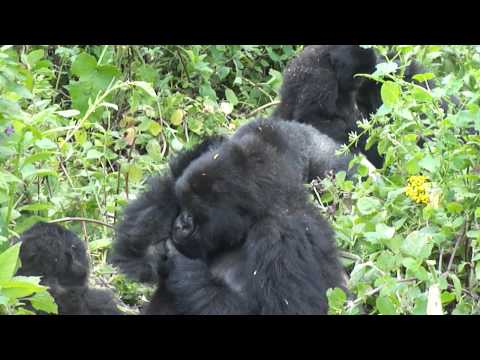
column 82, row 128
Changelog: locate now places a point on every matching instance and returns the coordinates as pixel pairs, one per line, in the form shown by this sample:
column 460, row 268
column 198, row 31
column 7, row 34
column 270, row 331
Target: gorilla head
column 225, row 191
column 219, row 199
column 54, row 252
column 348, row 60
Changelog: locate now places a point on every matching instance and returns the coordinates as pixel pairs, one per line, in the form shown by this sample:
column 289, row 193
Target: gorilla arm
column 293, row 261
column 137, row 250
column 202, row 289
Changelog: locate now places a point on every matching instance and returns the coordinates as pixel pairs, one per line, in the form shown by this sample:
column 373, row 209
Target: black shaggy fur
column 319, row 88
column 253, row 243
column 139, row 246
column 60, row 257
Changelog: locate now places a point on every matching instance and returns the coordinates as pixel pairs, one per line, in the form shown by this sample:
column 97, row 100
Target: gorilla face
column 216, row 203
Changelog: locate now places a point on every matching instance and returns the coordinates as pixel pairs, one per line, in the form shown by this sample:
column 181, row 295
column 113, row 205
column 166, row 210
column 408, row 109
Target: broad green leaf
column 43, row 301
column 18, row 288
column 153, row 149
column 35, row 56
column 231, row 97
column 154, row 128
column 8, row 262
column 45, row 144
column 99, row 244
column 84, row 65
column 385, row 306
column 429, row 163
column 367, row 205
column 135, row 173
column 418, row 244
column 94, row 154
column 423, row 77
column 336, row 298
column 390, row 93
column 177, row 117
column 146, row 87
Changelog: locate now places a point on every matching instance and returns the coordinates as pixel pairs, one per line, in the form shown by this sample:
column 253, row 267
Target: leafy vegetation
column 83, row 127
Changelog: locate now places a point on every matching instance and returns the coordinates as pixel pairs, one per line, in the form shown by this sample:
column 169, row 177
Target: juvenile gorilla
column 319, row 88
column 248, row 240
column 60, row 257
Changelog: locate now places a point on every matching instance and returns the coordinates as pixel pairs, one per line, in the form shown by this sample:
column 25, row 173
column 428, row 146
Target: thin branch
column 457, row 243
column 251, row 113
column 93, row 221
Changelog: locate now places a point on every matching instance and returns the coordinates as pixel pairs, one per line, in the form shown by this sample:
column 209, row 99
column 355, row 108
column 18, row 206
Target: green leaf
column 146, row 87
column 412, row 166
column 153, row 149
column 429, row 163
column 45, row 144
column 231, row 97
column 367, row 205
column 423, row 77
column 135, row 173
column 68, row 113
column 154, row 128
column 384, row 231
column 8, row 261
column 99, row 244
column 94, row 154
column 43, row 301
column 19, row 287
column 385, row 306
column 336, row 299
column 176, row 144
column 83, row 65
column 385, row 69
column 35, row 56
column 390, row 93
column 177, row 117
column 207, row 92
column 418, row 244
column 37, row 207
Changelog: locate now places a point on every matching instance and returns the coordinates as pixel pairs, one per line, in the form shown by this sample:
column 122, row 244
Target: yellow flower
column 417, row 189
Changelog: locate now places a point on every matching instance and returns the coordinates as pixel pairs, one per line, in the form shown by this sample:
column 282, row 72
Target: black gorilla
column 60, row 257
column 319, row 88
column 248, row 241
column 139, row 248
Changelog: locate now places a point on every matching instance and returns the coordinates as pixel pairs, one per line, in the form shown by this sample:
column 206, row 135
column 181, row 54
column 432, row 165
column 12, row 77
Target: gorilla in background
column 247, row 241
column 60, row 257
column 140, row 249
column 319, row 88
